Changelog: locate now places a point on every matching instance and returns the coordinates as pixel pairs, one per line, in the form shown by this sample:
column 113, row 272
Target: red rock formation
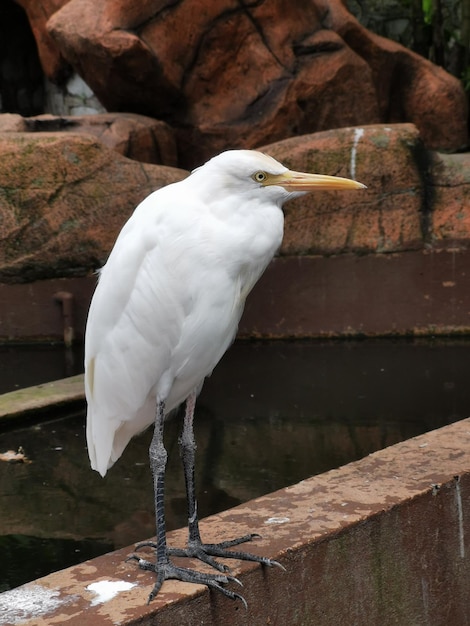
column 64, row 200
column 231, row 74
column 451, row 200
column 66, row 197
column 385, row 218
column 134, row 136
column 416, row 199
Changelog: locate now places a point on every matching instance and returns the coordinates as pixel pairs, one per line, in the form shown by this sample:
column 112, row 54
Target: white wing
column 164, row 312
column 127, row 352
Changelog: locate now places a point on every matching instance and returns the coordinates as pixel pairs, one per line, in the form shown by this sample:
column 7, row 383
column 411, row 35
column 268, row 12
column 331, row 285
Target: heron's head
column 252, row 173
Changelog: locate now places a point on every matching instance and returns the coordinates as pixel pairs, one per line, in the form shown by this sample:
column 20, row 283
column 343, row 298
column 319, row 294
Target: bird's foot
column 206, row 552
column 167, row 570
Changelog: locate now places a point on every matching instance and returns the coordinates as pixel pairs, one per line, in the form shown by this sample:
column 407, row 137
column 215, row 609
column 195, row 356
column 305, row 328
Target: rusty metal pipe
column 67, row 300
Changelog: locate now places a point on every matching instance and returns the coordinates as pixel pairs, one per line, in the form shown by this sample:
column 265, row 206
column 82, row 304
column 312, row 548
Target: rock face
column 388, row 217
column 450, row 195
column 134, row 136
column 416, row 198
column 65, row 197
column 63, row 200
column 232, row 74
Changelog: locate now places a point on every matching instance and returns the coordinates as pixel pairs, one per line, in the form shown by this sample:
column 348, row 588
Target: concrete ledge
column 383, row 541
column 53, row 396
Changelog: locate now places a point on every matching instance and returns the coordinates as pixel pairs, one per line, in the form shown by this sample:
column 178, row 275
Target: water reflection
column 271, row 415
column 26, row 365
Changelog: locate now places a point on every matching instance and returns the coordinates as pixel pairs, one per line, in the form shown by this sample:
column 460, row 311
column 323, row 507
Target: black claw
column 228, row 594
column 205, row 553
column 245, row 604
column 145, row 544
column 131, row 557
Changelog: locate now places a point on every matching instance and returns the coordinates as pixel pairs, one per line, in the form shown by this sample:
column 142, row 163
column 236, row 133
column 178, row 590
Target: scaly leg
column 196, row 548
column 163, row 567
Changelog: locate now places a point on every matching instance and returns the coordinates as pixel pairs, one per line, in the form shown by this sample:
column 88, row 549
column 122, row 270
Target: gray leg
column 196, row 548
column 163, row 567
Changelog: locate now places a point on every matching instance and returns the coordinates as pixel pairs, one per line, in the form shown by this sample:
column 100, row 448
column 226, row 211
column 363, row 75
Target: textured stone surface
column 63, row 200
column 390, row 531
column 416, row 198
column 387, row 217
column 451, row 200
column 64, row 197
column 232, row 74
column 33, row 399
column 134, row 136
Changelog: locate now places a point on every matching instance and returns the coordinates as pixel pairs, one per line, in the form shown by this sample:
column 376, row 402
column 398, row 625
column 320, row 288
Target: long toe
column 167, row 570
column 216, row 549
column 207, row 551
column 199, row 552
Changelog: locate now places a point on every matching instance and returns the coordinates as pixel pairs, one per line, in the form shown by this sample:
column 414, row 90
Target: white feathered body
column 169, row 300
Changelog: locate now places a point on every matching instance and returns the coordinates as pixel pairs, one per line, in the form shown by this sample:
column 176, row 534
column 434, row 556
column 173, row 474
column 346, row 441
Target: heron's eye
column 259, row 177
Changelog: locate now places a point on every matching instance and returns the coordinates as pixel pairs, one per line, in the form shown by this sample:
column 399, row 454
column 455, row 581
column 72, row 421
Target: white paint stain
column 277, row 520
column 108, row 589
column 21, row 604
column 358, row 133
column 458, row 499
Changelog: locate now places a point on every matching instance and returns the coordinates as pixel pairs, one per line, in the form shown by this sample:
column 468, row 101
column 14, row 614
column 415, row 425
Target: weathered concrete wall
column 383, row 541
column 412, row 293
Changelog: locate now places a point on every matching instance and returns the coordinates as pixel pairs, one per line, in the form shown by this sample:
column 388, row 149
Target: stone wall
column 74, row 98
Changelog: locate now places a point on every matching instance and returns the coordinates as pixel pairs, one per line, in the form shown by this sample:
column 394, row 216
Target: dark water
column 272, row 414
column 33, row 364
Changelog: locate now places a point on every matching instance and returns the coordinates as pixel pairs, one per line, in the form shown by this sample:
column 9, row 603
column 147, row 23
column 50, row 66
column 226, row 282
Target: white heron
column 166, row 308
